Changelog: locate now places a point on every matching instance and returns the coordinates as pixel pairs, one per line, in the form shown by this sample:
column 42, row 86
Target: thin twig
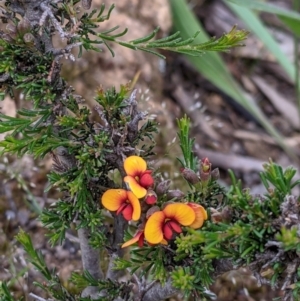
column 39, row 298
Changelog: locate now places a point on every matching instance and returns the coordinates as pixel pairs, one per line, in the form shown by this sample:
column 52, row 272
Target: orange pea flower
column 122, row 201
column 163, row 225
column 201, row 215
column 138, row 237
column 138, row 178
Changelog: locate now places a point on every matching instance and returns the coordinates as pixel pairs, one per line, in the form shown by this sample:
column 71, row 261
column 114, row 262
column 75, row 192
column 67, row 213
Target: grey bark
column 159, row 292
column 90, row 260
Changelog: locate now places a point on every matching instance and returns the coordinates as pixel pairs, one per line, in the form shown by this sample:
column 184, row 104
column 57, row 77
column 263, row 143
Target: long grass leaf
column 257, row 27
column 290, row 18
column 293, row 25
column 267, row 7
column 212, row 67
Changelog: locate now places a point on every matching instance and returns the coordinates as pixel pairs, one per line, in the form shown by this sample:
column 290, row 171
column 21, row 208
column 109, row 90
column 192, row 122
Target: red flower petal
column 121, row 208
column 175, row 226
column 127, row 212
column 168, row 232
column 151, row 197
column 146, row 180
column 141, row 240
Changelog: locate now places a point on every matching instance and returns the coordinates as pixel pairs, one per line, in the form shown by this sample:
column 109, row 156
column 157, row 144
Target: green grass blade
column 267, row 7
column 290, row 18
column 212, row 67
column 256, row 26
column 292, row 24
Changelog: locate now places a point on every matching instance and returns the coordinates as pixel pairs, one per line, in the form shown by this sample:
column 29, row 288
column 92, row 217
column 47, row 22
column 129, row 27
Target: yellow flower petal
column 154, row 228
column 135, row 203
column 135, row 187
column 133, row 240
column 164, row 242
column 130, row 242
column 204, row 212
column 201, row 215
column 182, row 213
column 134, row 166
column 113, row 198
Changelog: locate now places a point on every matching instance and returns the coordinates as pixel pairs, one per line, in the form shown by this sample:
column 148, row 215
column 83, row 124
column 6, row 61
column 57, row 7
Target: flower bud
column 216, row 216
column 23, row 26
column 86, row 4
column 151, row 197
column 226, row 214
column 151, row 211
column 190, row 175
column 7, row 38
column 11, row 30
column 28, row 38
column 175, row 194
column 163, row 187
column 205, row 170
column 146, row 179
column 215, row 174
column 205, row 165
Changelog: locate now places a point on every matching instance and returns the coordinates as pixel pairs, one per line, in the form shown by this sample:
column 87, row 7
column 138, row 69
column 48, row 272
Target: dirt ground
column 168, row 89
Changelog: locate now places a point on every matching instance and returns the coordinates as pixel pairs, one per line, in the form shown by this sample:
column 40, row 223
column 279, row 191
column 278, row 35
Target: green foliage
column 148, row 260
column 147, row 44
column 186, row 144
column 32, row 78
column 183, row 280
column 244, row 225
column 89, row 38
column 147, row 130
column 177, row 44
column 36, row 257
column 241, row 226
column 112, row 101
column 281, row 180
column 5, row 294
column 57, row 219
column 53, row 285
column 39, row 145
column 193, row 280
column 296, row 290
column 111, row 289
column 208, row 194
column 289, row 239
